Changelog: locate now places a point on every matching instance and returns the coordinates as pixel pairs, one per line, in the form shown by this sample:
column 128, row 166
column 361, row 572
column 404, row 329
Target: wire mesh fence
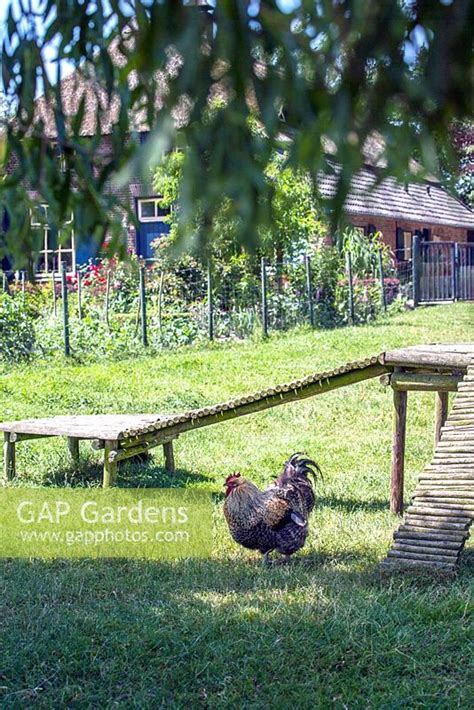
column 109, row 305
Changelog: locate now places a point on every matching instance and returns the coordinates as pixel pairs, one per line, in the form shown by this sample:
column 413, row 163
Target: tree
column 324, row 70
column 296, row 218
column 463, row 140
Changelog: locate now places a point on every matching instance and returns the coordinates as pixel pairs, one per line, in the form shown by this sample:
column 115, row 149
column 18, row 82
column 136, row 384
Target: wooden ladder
column 436, row 524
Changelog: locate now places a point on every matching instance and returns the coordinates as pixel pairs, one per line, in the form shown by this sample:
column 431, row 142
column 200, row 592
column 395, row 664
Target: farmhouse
column 400, row 211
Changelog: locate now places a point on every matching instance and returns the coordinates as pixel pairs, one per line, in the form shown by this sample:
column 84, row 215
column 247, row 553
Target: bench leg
column 9, row 462
column 169, row 457
column 110, row 467
column 73, row 446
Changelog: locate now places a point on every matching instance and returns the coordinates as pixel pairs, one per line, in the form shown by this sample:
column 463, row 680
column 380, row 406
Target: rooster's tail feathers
column 298, row 466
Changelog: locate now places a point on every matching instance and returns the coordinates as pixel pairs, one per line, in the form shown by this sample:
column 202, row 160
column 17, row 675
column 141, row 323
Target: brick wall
column 388, row 227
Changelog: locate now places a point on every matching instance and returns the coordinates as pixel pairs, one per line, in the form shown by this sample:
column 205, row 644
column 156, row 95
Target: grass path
column 321, row 632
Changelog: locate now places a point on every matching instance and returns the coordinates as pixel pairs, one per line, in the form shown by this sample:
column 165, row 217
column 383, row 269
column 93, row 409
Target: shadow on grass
column 211, row 633
column 141, row 633
column 131, row 474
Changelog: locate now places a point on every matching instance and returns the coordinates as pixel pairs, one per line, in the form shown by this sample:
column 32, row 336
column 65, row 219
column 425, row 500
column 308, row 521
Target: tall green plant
column 364, row 250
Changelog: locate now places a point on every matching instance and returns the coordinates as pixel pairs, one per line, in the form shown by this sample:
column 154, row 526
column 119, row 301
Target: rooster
column 276, row 518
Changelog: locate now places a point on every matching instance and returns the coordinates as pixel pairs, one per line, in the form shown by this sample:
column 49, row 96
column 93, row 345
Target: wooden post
column 351, row 287
column 169, row 457
column 264, row 297
column 73, row 447
column 143, row 305
column 441, row 413
column 309, row 288
column 398, row 451
column 160, row 303
column 79, row 294
column 67, row 347
column 383, row 299
column 9, row 460
column 210, row 307
column 107, row 300
column 110, row 467
column 23, row 281
column 4, row 283
column 416, row 269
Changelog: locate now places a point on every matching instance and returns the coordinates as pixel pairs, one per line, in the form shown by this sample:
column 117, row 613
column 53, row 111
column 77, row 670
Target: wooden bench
column 105, row 431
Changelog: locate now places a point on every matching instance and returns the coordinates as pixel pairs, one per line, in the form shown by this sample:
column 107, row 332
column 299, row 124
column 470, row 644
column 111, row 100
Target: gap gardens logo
column 129, row 523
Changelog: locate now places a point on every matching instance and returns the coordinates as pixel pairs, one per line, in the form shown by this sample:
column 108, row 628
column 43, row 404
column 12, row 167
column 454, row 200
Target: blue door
column 86, row 248
column 147, row 233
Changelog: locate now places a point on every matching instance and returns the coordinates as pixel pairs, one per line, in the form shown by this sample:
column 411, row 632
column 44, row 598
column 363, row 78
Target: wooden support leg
column 441, row 413
column 169, row 457
column 8, row 457
column 73, row 446
column 398, row 451
column 110, row 467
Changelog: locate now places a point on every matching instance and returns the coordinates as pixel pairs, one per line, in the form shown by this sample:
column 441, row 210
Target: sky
column 66, row 68
column 418, row 38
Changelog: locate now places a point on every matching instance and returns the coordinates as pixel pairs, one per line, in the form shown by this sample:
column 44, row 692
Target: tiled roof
column 82, row 85
column 416, row 201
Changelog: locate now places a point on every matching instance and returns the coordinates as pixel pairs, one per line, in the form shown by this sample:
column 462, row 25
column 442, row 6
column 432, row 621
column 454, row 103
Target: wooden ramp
column 436, row 524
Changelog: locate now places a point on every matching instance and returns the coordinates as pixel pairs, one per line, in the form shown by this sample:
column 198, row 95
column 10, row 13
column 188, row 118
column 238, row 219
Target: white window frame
column 407, row 244
column 156, row 217
column 57, row 254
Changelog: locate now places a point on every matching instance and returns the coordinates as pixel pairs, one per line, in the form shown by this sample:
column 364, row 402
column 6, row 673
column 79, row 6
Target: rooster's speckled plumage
column 276, row 518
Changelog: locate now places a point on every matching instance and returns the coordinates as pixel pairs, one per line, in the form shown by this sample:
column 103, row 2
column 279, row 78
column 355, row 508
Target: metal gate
column 443, row 271
column 465, row 272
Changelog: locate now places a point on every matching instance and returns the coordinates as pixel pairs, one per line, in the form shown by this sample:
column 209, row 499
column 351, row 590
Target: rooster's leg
column 266, row 558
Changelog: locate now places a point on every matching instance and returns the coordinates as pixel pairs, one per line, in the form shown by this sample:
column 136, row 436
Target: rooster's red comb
column 232, row 475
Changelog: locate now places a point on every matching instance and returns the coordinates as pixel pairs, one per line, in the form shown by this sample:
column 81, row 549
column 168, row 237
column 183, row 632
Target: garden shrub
column 17, row 337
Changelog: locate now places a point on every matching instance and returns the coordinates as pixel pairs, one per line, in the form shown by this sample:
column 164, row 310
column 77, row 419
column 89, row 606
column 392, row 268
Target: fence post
column 454, row 266
column 5, row 282
column 309, row 288
column 382, row 285
column 264, row 297
column 64, row 294
column 160, row 303
column 143, row 304
column 351, row 287
column 79, row 294
column 210, row 305
column 107, row 299
column 23, row 281
column 416, row 269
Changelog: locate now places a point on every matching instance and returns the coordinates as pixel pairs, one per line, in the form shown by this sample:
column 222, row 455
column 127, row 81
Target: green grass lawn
column 323, row 631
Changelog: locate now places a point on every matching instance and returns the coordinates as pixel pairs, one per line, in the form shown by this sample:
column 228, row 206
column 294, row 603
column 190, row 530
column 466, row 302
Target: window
column 404, row 244
column 149, row 210
column 54, row 247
